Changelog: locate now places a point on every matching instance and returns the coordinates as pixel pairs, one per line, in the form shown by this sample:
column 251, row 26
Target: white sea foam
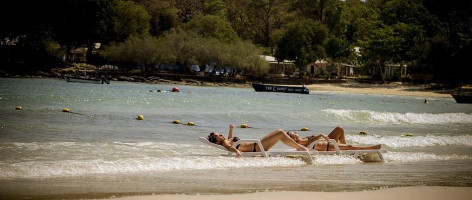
column 402, row 157
column 335, row 160
column 43, row 169
column 399, row 118
column 415, row 141
column 57, row 159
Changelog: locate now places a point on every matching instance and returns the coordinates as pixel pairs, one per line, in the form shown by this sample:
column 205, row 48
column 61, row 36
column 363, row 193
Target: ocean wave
column 415, row 141
column 335, row 160
column 399, row 118
column 44, row 169
column 404, row 157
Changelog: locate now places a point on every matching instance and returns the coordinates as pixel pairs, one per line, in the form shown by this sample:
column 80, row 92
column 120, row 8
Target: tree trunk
column 381, row 72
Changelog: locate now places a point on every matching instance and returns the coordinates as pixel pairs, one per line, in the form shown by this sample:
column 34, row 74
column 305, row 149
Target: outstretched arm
column 228, row 146
column 230, row 133
column 310, row 139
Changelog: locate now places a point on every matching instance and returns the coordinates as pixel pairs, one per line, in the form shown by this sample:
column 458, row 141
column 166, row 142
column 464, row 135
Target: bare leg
column 350, row 147
column 271, row 139
column 338, row 135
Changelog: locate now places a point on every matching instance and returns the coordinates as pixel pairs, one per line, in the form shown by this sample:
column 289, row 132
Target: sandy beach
column 403, row 193
column 391, row 89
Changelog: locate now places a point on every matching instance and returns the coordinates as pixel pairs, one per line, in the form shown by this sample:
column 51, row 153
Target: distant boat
column 462, row 98
column 275, row 88
column 87, row 80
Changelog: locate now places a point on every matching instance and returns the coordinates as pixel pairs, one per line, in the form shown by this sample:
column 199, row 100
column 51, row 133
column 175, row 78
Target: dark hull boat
column 463, row 98
column 87, row 80
column 275, row 88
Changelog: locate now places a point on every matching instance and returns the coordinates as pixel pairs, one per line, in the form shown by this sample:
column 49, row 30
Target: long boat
column 275, row 88
column 462, row 98
column 86, row 80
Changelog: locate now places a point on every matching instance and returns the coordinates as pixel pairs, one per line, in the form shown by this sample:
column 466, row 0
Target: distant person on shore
column 267, row 141
column 337, row 134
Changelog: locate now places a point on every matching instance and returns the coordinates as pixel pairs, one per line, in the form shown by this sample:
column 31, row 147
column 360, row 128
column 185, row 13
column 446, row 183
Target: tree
column 381, row 47
column 212, row 27
column 303, row 42
column 131, row 19
column 335, row 18
column 215, row 7
column 255, row 20
column 451, row 43
column 164, row 15
column 337, row 50
column 311, row 9
column 188, row 9
column 361, row 20
column 135, row 51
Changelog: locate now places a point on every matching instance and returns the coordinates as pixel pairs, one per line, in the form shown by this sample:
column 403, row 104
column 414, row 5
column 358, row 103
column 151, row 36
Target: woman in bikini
column 267, row 141
column 337, row 134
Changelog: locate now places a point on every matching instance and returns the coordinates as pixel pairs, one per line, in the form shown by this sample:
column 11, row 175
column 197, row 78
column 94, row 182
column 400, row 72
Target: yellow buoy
column 65, row 110
column 363, row 132
column 304, row 129
column 19, row 108
column 190, row 123
column 140, row 117
column 176, row 122
column 243, row 126
column 408, row 135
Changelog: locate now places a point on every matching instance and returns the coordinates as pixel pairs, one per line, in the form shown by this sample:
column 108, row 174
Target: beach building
column 316, row 69
column 286, row 67
column 347, row 70
column 323, row 67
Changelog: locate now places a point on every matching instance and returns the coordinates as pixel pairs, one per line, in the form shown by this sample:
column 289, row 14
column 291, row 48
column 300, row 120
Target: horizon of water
column 100, row 149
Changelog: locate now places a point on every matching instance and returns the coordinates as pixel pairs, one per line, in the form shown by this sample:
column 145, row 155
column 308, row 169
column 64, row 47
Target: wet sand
column 392, row 89
column 403, row 193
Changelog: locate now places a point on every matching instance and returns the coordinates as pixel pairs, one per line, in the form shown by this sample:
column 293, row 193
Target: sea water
column 100, row 149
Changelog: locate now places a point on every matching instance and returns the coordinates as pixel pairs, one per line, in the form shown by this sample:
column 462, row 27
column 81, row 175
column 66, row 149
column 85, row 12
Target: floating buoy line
column 189, row 123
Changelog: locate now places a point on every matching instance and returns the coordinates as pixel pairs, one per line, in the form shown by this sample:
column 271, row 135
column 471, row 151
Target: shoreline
column 353, row 87
column 395, row 89
column 404, row 193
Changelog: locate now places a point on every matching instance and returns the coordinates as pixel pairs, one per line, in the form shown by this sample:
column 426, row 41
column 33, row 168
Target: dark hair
column 235, row 139
column 211, row 138
column 289, row 134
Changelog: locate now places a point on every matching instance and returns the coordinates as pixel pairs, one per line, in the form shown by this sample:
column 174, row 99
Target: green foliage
column 427, row 33
column 302, row 42
column 274, row 39
column 336, row 18
column 131, row 19
column 212, row 27
column 164, row 15
column 361, row 20
column 404, row 11
column 337, row 50
column 186, row 48
column 216, row 8
column 134, row 51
